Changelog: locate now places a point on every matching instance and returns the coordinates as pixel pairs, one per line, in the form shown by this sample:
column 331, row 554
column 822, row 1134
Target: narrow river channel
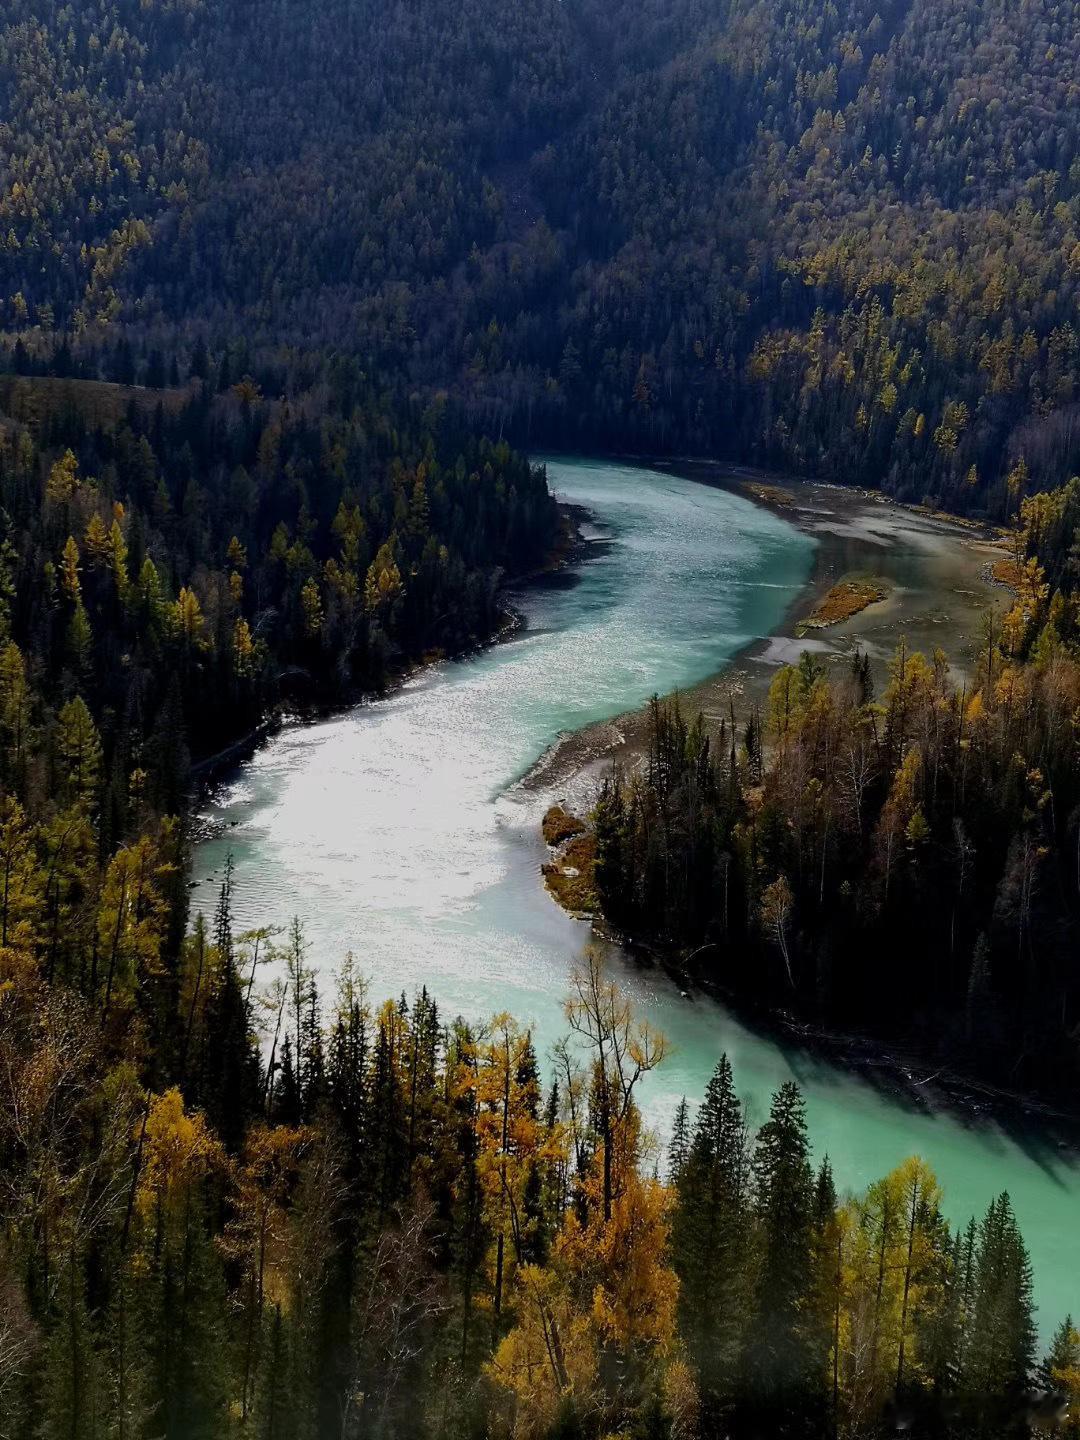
column 397, row 831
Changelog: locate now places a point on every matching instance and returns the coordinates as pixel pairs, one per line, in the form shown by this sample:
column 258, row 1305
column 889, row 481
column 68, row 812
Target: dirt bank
column 933, row 574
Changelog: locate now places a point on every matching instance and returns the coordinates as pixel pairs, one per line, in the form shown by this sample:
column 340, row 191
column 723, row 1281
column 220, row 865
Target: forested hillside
column 844, row 241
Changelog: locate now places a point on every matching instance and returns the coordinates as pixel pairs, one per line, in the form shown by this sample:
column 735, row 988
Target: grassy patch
column 33, row 400
column 560, row 826
column 570, row 875
column 1006, row 572
column 774, row 495
column 845, row 599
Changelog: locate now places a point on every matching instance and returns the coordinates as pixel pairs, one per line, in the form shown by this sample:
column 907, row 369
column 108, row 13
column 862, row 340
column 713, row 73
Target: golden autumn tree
column 15, row 702
column 892, row 1271
column 96, row 542
column 243, row 648
column 63, row 479
column 595, row 1326
column 311, row 604
column 116, row 559
column 69, row 570
column 132, row 915
column 1060, row 1376
column 257, row 1234
column 383, row 584
column 20, row 882
column 510, row 1141
column 178, row 1150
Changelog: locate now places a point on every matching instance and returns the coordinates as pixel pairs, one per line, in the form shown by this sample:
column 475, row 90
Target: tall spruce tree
column 780, row 1344
column 710, row 1233
column 1000, row 1341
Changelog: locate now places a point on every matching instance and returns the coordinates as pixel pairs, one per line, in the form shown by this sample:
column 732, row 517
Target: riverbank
column 934, row 575
column 569, row 548
column 892, row 571
column 921, row 1078
column 396, row 832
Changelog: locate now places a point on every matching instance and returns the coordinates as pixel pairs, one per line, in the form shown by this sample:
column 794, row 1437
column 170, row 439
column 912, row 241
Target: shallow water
column 397, row 831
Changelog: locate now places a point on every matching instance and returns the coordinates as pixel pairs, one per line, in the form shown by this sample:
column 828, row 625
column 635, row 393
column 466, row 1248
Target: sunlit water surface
column 396, row 831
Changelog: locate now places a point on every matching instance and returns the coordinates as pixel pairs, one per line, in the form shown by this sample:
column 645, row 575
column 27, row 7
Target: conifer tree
column 1000, row 1333
column 780, row 1344
column 711, row 1240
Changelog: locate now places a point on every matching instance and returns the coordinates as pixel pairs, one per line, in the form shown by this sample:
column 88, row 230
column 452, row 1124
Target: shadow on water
column 919, row 1086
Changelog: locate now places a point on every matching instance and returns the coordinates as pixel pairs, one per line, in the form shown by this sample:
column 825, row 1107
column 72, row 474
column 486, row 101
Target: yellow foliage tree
column 383, row 584
column 892, row 1271
column 243, row 647
column 69, row 569
column 311, row 603
column 96, row 542
column 20, row 891
column 178, row 1150
column 63, row 479
column 187, row 622
column 132, row 914
column 510, row 1141
column 607, row 1289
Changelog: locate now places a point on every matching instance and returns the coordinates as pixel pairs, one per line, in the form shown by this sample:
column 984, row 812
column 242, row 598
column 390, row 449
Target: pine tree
column 823, row 1314
column 232, row 1084
column 780, row 1348
column 72, row 1399
column 1000, row 1334
column 347, row 1077
column 710, row 1234
column 78, row 753
column 679, row 1144
column 130, row 1402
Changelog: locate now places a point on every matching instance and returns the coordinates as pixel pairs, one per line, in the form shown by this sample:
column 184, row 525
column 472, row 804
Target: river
column 398, row 831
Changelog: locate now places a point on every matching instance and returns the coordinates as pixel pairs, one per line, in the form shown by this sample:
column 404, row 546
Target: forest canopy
column 845, row 241
column 287, row 288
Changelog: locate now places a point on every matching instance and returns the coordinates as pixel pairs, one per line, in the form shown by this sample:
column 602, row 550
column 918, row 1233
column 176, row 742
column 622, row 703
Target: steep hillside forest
column 842, row 239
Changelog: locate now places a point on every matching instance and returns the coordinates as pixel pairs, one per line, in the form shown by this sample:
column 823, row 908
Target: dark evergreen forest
column 843, row 240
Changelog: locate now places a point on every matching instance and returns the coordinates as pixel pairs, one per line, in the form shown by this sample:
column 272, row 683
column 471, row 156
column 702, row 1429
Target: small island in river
column 844, row 600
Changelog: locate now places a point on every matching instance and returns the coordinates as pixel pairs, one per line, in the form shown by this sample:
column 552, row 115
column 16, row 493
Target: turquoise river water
column 397, row 831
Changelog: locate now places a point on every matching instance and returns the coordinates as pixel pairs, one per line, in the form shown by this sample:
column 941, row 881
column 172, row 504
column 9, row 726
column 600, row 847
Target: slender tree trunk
column 114, row 950
column 505, row 1140
column 907, row 1283
column 836, row 1333
column 76, row 1375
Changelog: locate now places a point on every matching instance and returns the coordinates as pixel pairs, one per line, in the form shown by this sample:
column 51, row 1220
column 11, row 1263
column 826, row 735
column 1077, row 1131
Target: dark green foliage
column 934, row 830
column 711, row 1241
column 842, row 242
column 1000, row 1354
column 781, row 1354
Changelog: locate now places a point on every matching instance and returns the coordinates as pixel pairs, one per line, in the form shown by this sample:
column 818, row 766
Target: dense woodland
column 844, row 240
column 178, row 559
column 269, row 275
column 233, row 1205
column 907, row 862
column 380, row 1224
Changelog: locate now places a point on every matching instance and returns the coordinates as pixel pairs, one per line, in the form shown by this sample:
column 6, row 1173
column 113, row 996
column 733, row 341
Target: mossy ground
column 570, row 873
column 845, row 599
